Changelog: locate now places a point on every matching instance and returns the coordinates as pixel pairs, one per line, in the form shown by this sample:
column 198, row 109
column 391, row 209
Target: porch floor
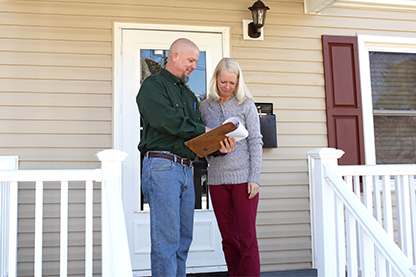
column 290, row 273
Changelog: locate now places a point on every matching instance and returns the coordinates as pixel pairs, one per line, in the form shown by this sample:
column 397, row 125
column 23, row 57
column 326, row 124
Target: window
column 393, row 86
column 388, row 84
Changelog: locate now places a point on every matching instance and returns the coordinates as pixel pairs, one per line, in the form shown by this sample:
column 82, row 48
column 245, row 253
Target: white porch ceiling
column 316, row 6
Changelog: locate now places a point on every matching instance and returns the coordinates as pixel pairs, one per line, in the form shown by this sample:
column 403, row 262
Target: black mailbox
column 267, row 124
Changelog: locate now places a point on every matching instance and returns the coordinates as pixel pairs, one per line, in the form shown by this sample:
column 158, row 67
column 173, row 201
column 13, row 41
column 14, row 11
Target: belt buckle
column 183, row 164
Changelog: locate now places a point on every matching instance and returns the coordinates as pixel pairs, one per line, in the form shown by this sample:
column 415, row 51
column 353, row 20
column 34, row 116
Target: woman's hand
column 253, row 189
column 228, row 145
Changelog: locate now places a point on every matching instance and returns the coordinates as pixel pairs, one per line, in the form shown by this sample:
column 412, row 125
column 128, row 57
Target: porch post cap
column 327, row 153
column 111, row 155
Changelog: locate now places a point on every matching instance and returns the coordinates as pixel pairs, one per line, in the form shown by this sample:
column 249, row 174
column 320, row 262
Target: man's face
column 186, row 62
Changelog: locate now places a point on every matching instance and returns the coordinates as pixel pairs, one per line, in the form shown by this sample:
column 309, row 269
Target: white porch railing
column 115, row 257
column 347, row 227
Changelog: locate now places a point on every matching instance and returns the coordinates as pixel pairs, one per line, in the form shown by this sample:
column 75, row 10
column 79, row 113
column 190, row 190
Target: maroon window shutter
column 343, row 98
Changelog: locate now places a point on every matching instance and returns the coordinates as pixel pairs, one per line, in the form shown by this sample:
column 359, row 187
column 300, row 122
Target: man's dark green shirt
column 170, row 115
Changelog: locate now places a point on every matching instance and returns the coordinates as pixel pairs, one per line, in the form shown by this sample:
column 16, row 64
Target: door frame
column 117, row 32
column 118, row 136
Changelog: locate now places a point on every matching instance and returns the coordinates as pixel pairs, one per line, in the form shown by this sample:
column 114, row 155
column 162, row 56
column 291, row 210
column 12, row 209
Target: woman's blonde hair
column 241, row 91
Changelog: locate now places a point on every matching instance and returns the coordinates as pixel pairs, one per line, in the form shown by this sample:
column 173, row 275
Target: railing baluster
column 366, row 199
column 351, row 232
column 413, row 212
column 377, row 199
column 387, row 213
column 38, row 228
column 368, row 193
column 380, row 264
column 348, row 180
column 387, row 205
column 379, row 258
column 403, row 216
column 351, row 229
column 398, row 192
column 367, row 258
column 357, row 186
column 64, row 230
column 357, row 190
column 88, row 228
column 340, row 236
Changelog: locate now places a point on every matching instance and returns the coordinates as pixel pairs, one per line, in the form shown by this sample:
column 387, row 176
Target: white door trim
column 117, row 31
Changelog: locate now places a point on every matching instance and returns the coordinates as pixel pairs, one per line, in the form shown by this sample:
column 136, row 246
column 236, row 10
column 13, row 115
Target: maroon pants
column 236, row 217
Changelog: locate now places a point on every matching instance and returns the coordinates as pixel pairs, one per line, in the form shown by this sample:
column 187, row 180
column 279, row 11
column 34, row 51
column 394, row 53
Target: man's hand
column 228, row 145
column 253, row 189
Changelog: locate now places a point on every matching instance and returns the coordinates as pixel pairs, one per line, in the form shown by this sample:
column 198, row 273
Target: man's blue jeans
column 169, row 189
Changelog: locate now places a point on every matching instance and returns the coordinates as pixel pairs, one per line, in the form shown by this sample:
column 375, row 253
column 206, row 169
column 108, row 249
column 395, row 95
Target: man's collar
column 176, row 80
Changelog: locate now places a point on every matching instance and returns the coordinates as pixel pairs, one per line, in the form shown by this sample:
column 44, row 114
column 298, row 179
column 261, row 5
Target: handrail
column 382, row 169
column 50, row 175
column 378, row 235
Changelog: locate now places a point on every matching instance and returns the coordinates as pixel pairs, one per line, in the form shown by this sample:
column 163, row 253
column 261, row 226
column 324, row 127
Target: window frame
column 367, row 44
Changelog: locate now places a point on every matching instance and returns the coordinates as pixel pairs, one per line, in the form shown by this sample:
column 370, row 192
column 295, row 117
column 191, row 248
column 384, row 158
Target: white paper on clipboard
column 240, row 133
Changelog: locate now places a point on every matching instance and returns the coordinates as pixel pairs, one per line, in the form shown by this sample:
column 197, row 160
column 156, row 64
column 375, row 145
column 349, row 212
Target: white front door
column 134, row 44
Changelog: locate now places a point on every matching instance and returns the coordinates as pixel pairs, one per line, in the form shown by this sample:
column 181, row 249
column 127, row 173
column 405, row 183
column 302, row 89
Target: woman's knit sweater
column 244, row 163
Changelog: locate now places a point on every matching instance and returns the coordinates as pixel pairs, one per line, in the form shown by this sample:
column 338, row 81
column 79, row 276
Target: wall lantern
column 258, row 13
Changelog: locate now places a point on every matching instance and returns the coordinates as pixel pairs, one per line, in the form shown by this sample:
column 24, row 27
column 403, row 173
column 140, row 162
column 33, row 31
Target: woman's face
column 226, row 83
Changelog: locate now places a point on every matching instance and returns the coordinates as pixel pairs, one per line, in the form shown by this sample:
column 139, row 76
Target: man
column 170, row 116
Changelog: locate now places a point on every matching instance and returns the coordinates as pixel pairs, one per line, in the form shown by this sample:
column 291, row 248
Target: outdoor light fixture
column 258, row 13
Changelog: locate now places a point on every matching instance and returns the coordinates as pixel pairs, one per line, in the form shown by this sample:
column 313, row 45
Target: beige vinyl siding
column 56, row 97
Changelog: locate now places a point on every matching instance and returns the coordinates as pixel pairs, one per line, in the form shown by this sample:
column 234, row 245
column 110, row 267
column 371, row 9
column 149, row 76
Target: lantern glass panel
column 254, row 16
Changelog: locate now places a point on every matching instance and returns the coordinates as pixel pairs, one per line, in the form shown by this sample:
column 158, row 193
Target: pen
column 194, row 106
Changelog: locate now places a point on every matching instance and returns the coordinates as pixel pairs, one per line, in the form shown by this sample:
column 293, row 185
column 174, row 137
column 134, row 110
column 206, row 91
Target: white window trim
column 366, row 44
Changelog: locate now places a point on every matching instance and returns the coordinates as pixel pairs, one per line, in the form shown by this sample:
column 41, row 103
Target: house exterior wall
column 56, row 89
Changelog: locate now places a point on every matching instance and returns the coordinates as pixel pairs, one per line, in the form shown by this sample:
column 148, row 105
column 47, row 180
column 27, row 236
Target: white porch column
column 110, row 168
column 322, row 199
column 8, row 219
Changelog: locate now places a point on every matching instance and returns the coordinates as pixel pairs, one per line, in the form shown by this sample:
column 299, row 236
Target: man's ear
column 175, row 56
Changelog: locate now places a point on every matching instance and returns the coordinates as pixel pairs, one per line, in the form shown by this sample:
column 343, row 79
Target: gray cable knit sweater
column 244, row 163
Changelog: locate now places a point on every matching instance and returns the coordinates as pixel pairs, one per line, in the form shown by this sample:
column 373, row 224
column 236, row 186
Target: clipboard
column 209, row 142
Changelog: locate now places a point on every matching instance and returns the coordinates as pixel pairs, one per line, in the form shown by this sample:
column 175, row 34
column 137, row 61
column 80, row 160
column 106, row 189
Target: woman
column 234, row 178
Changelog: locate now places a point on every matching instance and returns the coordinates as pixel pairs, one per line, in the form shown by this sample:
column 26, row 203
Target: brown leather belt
column 168, row 156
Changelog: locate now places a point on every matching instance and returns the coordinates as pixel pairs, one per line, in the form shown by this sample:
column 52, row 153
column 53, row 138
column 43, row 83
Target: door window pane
column 152, row 61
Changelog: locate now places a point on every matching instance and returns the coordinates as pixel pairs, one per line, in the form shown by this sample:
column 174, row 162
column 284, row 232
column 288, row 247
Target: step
column 289, row 273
